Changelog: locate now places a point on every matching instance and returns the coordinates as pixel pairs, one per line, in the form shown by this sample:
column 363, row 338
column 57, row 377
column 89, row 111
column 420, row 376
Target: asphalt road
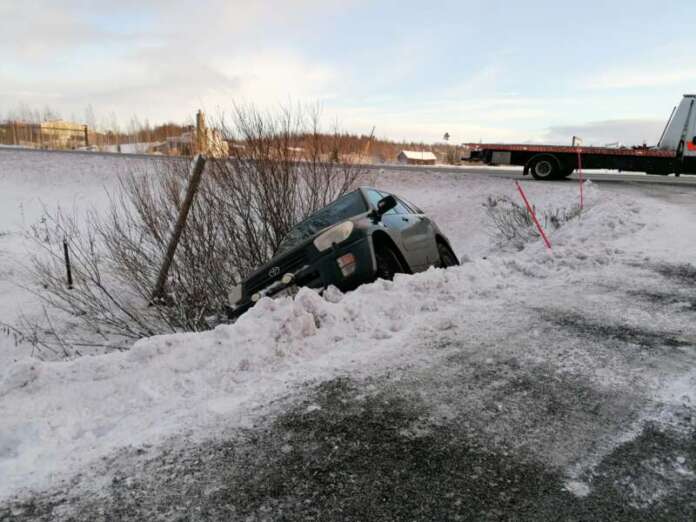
column 514, row 173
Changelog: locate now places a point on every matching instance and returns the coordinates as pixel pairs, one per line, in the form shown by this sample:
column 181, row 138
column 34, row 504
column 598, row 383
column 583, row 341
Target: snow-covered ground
column 611, row 307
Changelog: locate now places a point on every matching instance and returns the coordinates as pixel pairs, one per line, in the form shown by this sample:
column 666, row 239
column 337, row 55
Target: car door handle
column 404, row 219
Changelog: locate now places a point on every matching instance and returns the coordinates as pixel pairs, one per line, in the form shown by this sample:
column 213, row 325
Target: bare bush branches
column 244, row 207
column 511, row 223
column 282, row 168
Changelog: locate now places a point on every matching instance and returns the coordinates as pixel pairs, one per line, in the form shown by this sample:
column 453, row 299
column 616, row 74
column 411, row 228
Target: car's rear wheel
column 447, row 257
column 388, row 263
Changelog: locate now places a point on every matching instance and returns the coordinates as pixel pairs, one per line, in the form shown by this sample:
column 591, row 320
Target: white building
column 413, row 157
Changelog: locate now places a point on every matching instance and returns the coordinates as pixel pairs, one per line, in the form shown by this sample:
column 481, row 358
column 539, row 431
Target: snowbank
column 60, row 416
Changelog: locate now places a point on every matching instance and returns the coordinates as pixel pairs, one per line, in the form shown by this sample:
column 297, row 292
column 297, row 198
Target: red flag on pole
column 534, row 218
column 582, row 181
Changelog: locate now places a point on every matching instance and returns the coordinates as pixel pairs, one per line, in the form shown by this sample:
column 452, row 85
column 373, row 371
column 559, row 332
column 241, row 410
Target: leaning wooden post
column 197, row 166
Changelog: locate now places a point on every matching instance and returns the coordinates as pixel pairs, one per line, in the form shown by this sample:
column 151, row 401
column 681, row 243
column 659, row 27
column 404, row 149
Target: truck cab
column 680, row 133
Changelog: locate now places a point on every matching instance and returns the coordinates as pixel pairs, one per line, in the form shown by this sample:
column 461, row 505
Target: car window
column 340, row 210
column 408, row 209
column 400, row 208
column 414, row 209
column 373, row 197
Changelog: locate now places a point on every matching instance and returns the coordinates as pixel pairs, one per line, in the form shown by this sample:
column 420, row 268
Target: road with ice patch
column 520, row 385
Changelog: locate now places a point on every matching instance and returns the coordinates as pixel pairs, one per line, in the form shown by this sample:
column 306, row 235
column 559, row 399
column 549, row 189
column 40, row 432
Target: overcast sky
column 481, row 70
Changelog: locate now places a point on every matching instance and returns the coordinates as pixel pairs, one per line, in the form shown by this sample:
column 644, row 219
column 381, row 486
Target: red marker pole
column 582, row 181
column 534, row 218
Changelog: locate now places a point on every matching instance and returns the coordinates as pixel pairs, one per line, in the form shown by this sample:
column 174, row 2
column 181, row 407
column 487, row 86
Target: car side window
column 414, row 208
column 400, row 207
column 409, row 208
column 373, row 197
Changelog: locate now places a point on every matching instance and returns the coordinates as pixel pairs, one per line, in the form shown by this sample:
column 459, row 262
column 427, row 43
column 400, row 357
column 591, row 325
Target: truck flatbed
column 675, row 153
column 607, row 151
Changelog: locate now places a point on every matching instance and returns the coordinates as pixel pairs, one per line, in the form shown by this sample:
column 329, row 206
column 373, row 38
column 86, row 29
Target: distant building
column 194, row 140
column 189, row 143
column 412, row 157
column 54, row 134
column 61, row 134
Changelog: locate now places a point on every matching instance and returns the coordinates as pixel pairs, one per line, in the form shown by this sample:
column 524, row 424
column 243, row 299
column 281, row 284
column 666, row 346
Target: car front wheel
column 388, row 263
column 447, row 257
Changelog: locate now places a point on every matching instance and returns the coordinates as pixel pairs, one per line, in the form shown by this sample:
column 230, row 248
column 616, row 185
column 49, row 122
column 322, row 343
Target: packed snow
column 59, row 416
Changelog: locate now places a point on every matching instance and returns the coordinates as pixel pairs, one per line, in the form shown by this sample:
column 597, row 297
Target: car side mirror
column 694, row 140
column 385, row 204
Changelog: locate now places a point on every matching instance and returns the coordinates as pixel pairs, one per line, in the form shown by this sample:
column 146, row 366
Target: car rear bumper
column 322, row 272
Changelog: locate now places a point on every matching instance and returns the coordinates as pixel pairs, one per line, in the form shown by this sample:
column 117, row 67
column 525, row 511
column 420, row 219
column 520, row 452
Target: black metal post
column 67, row 263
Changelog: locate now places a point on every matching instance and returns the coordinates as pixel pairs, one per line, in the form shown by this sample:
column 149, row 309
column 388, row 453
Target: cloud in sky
column 608, row 132
column 477, row 69
column 625, row 78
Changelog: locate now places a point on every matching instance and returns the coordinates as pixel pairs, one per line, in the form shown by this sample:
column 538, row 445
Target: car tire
column 388, row 263
column 447, row 257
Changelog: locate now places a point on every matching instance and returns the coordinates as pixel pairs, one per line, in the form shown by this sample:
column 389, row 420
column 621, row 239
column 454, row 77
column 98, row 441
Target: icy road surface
column 520, row 385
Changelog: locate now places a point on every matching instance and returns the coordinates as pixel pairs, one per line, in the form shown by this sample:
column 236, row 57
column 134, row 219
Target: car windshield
column 343, row 208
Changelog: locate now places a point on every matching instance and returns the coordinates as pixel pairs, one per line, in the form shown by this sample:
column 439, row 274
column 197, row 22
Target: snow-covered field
column 612, row 308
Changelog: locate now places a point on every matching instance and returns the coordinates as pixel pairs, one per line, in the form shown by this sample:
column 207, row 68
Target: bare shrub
column 453, row 156
column 511, row 223
column 106, row 306
column 282, row 169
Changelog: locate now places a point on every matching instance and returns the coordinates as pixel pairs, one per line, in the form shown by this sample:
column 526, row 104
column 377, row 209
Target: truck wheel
column 544, row 168
column 388, row 263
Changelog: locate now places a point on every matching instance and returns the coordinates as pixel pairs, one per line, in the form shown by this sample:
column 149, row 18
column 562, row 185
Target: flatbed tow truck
column 675, row 153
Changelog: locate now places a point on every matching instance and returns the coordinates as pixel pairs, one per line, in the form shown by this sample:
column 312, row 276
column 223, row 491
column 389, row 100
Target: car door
column 402, row 228
column 423, row 238
column 414, row 232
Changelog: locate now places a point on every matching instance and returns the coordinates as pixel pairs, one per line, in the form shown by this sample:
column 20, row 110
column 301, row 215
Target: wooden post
column 197, row 166
column 86, row 136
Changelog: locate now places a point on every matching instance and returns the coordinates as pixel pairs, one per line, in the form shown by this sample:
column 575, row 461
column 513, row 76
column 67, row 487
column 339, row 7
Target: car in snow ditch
column 364, row 235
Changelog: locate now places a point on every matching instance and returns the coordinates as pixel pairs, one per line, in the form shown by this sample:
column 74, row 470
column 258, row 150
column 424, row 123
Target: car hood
column 293, row 256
